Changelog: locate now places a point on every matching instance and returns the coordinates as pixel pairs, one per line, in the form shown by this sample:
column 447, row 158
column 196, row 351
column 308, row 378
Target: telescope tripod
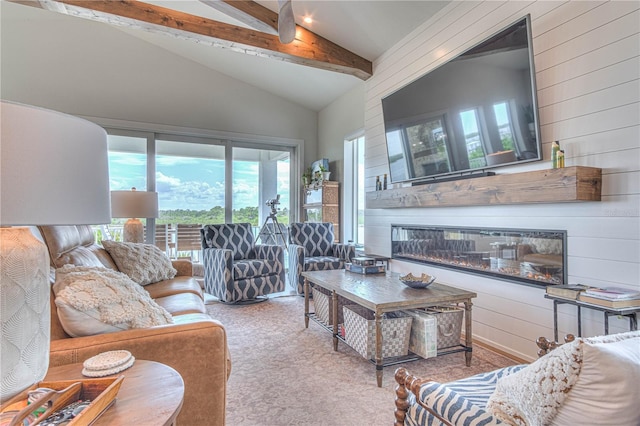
column 268, row 234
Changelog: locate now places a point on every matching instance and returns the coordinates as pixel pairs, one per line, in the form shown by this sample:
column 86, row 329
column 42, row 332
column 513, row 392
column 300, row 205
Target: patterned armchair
column 236, row 268
column 312, row 248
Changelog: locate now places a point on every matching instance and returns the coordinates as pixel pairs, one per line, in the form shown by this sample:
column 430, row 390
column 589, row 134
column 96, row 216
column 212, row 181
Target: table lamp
column 53, row 171
column 134, row 204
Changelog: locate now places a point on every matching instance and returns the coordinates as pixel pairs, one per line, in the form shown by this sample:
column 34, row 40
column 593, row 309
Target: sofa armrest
column 183, row 266
column 197, row 351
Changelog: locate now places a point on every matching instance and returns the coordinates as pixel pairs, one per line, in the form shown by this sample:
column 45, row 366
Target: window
column 354, row 193
column 203, row 179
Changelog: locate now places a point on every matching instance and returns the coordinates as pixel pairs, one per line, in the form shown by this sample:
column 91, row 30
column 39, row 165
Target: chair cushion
column 97, row 300
column 237, row 237
column 316, row 238
column 323, row 263
column 143, row 263
column 252, row 268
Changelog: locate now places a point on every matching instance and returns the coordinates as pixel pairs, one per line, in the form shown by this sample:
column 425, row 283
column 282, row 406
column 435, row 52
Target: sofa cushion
column 587, row 381
column 182, row 304
column 177, row 285
column 97, row 300
column 143, row 263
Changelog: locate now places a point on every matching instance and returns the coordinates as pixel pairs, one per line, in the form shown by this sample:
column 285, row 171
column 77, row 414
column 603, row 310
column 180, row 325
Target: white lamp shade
column 54, row 168
column 134, row 204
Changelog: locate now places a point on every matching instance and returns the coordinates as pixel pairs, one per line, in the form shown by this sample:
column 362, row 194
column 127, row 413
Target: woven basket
column 322, row 305
column 449, row 324
column 360, row 332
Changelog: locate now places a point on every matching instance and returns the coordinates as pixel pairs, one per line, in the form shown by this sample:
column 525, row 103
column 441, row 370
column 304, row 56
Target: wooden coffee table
column 382, row 293
column 151, row 393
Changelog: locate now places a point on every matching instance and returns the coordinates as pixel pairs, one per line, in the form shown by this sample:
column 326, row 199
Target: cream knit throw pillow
column 94, row 300
column 531, row 396
column 143, row 263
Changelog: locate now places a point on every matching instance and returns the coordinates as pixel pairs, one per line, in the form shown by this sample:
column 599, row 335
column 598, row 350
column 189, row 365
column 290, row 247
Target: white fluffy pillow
column 143, row 263
column 588, row 381
column 607, row 388
column 94, row 300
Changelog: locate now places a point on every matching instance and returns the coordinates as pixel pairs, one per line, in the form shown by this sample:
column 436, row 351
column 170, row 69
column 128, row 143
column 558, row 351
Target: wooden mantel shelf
column 541, row 186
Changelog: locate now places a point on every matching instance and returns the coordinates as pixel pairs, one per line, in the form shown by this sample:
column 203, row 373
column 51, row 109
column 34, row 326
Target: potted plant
column 306, row 177
column 325, row 173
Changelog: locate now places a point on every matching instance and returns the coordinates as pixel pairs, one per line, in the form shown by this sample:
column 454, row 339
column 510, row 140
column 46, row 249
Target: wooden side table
column 151, row 394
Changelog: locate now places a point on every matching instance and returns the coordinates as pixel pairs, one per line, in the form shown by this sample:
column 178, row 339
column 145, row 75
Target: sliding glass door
column 201, row 181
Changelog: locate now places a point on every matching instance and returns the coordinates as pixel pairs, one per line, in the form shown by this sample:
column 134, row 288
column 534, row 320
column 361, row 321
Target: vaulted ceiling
column 328, row 57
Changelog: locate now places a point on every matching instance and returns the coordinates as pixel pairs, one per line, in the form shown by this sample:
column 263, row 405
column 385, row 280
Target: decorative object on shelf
column 325, row 172
column 570, row 291
column 306, row 177
column 43, row 183
column 555, row 148
column 316, row 172
column 134, row 204
column 423, row 281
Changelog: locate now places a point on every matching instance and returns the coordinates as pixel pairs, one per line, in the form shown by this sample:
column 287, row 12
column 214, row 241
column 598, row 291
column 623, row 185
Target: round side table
column 151, row 394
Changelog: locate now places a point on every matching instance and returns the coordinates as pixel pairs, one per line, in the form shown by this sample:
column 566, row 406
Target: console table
column 631, row 313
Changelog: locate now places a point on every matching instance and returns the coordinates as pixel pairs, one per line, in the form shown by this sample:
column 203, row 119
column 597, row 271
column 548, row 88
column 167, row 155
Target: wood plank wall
column 587, row 73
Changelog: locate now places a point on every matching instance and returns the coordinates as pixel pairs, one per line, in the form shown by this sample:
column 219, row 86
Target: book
column 570, row 291
column 622, row 303
column 613, row 293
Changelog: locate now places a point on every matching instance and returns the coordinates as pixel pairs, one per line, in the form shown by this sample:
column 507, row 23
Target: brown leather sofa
column 195, row 345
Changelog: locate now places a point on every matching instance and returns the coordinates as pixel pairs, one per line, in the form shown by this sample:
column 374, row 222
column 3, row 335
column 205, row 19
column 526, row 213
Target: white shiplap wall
column 587, row 59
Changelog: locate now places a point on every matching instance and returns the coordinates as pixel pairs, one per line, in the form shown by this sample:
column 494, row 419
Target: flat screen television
column 475, row 112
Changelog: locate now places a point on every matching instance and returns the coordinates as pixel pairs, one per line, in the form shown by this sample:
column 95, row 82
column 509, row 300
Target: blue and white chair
column 312, row 247
column 236, row 269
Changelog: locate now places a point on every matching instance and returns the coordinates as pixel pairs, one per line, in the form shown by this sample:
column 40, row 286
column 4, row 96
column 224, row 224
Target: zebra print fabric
column 461, row 402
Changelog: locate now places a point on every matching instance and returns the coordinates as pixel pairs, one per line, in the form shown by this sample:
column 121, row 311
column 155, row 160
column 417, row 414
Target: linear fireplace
column 533, row 257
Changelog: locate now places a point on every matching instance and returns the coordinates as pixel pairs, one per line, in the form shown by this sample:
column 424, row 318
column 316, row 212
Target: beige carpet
column 284, row 374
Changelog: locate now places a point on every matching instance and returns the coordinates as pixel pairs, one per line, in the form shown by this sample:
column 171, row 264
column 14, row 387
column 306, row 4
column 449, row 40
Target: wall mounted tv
column 475, row 112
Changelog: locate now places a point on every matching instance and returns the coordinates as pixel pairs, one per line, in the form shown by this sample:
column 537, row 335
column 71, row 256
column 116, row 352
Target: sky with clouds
column 193, row 183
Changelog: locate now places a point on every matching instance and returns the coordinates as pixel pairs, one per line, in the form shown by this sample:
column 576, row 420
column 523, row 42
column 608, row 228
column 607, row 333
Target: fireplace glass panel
column 536, row 257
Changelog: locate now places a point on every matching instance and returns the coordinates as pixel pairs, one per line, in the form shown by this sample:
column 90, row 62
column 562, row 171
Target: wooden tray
column 101, row 391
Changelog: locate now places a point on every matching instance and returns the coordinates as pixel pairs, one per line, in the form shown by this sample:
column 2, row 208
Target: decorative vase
column 325, row 175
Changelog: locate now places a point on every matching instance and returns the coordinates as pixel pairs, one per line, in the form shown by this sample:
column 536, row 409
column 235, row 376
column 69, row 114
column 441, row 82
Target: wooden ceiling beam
column 248, row 12
column 307, row 49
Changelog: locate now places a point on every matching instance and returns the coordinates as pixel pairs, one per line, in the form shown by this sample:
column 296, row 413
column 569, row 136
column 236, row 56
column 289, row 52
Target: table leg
column 579, row 322
column 606, row 323
column 306, row 303
column 633, row 321
column 334, row 309
column 378, row 319
column 555, row 320
column 468, row 337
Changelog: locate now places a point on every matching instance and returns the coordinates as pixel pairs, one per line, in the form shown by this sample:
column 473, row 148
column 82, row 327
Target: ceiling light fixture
column 307, row 20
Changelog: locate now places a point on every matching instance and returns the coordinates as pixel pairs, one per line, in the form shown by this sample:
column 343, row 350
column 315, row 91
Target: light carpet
column 284, row 374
